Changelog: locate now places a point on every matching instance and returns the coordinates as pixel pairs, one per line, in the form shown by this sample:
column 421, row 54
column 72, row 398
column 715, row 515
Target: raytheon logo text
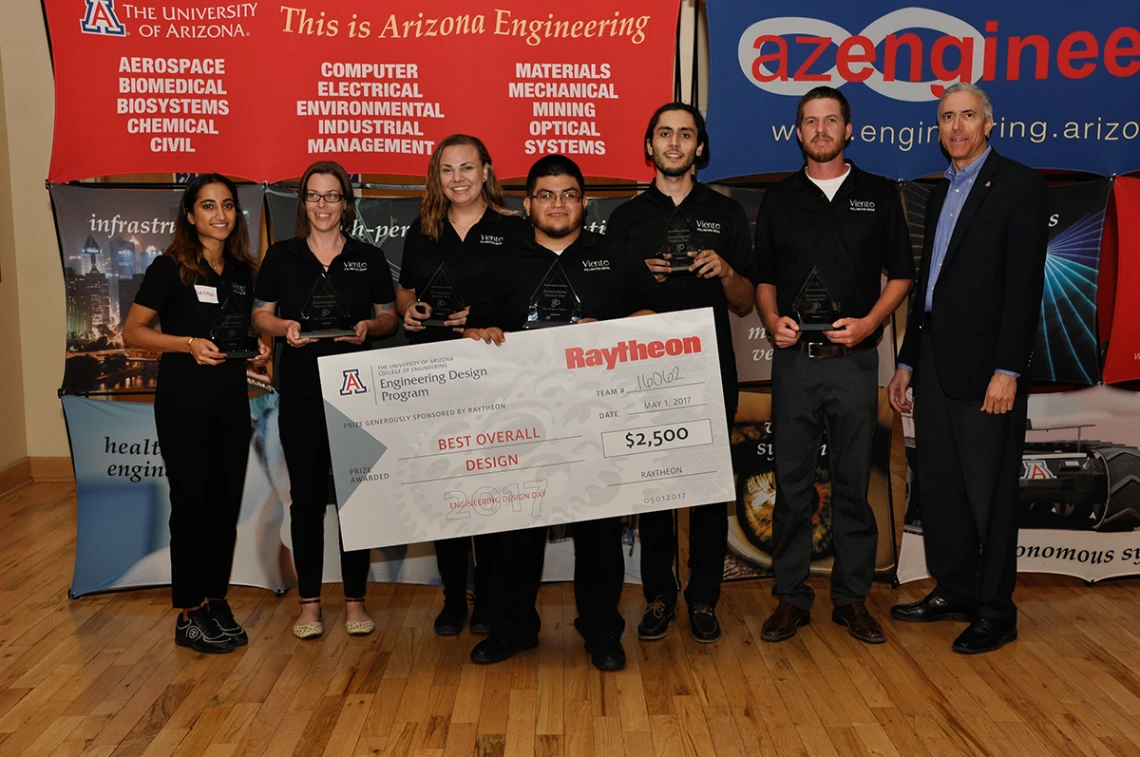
column 630, row 351
column 783, row 55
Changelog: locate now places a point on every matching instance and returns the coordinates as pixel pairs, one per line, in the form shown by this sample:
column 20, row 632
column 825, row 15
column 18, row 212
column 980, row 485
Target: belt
column 828, row 349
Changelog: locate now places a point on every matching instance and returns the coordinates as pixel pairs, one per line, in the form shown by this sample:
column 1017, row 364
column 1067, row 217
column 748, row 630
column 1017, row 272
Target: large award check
column 558, row 425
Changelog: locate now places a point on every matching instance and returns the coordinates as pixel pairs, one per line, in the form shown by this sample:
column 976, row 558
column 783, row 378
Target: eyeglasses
column 332, row 198
column 569, row 196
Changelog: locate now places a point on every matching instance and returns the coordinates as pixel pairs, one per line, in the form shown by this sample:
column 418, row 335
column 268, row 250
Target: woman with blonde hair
column 450, row 257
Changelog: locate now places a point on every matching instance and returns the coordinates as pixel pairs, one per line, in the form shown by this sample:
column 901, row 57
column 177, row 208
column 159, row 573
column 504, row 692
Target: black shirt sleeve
column 268, row 287
column 763, row 253
column 739, row 251
column 617, row 227
column 898, row 256
column 383, row 292
column 413, row 243
column 641, row 288
column 161, row 275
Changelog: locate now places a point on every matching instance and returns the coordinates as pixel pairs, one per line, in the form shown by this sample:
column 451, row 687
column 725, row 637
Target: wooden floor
column 101, row 676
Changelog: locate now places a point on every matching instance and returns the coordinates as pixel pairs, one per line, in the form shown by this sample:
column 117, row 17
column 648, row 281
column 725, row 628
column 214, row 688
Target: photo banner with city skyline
column 107, row 239
column 260, row 91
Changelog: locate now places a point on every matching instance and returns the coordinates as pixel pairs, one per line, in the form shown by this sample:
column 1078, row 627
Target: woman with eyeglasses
column 201, row 405
column 449, row 253
column 324, row 293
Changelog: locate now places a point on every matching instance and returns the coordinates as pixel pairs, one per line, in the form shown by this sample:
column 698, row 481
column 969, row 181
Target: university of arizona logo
column 101, row 19
column 352, row 383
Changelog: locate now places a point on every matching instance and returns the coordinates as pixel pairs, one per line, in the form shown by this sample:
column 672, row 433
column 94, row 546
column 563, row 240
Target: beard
column 680, row 170
column 826, row 154
column 557, row 232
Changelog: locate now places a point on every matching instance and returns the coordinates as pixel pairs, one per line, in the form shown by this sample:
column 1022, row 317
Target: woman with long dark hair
column 322, row 261
column 464, row 224
column 201, row 406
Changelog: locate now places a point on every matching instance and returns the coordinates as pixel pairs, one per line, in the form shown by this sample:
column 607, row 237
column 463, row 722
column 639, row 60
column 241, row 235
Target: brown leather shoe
column 859, row 623
column 782, row 623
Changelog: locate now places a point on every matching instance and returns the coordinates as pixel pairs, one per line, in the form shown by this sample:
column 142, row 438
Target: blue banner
column 1064, row 81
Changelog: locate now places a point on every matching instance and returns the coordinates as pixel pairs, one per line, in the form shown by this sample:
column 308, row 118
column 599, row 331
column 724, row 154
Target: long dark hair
column 434, row 207
column 347, row 216
column 186, row 247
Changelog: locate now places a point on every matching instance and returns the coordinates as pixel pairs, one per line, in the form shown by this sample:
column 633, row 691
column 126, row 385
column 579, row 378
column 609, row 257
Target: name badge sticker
column 206, row 294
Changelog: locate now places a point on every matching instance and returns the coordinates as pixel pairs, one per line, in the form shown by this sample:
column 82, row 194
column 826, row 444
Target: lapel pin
column 988, row 183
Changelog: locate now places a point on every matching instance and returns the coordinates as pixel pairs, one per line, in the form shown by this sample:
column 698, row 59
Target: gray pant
column 811, row 396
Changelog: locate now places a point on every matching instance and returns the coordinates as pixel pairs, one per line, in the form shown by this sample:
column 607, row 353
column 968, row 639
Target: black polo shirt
column 853, row 238
column 289, row 270
column 470, row 261
column 191, row 311
column 724, row 229
column 609, row 278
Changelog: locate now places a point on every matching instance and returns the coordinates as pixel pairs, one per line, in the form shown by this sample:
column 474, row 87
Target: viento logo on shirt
column 100, row 18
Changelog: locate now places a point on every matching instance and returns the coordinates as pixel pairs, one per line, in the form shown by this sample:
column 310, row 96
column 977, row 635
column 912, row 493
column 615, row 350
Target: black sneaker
column 498, row 648
column 703, row 623
column 201, row 633
column 222, row 614
column 480, row 620
column 656, row 621
column 606, row 652
column 450, row 620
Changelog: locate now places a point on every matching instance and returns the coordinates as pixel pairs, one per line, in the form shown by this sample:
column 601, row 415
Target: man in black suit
column 967, row 351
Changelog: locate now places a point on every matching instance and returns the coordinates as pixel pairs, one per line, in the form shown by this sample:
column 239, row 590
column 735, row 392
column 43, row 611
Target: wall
column 32, row 310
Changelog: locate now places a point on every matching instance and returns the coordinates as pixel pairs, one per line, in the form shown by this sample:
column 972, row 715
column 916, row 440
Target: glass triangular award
column 325, row 314
column 815, row 307
column 231, row 332
column 677, row 241
column 554, row 302
column 442, row 295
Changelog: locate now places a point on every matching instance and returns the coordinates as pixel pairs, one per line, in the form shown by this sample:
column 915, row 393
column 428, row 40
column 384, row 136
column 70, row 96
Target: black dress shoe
column 606, row 652
column 985, row 635
column 480, row 621
column 703, row 624
column 450, row 620
column 931, row 608
column 656, row 620
column 498, row 648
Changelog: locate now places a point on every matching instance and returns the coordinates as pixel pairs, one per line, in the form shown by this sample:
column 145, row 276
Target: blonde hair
column 433, row 209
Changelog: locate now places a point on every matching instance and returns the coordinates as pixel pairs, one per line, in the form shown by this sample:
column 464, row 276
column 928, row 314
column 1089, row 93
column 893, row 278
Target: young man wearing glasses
column 562, row 275
column 698, row 245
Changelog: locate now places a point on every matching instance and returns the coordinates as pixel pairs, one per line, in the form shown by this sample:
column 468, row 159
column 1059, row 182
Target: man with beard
column 607, row 280
column 825, row 236
column 711, row 234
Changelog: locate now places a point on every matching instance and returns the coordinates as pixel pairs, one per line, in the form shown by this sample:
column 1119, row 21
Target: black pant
column 205, row 458
column 970, row 465
column 516, row 572
column 451, row 559
column 305, row 442
column 811, row 396
column 708, row 539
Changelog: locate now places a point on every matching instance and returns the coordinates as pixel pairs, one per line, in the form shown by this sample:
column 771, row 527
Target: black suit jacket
column 987, row 299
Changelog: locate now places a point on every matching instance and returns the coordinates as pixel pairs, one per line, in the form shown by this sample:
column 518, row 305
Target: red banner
column 259, row 91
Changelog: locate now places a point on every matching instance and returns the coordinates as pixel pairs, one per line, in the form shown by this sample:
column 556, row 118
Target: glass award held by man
column 815, row 307
column 677, row 241
column 442, row 296
column 324, row 314
column 554, row 302
column 231, row 332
